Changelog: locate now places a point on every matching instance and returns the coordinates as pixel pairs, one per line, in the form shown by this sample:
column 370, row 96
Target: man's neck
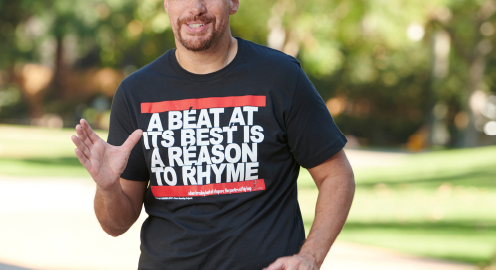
column 208, row 61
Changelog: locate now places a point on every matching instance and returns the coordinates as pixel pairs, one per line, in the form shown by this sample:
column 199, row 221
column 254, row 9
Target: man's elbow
column 351, row 177
column 115, row 234
column 115, row 231
column 351, row 182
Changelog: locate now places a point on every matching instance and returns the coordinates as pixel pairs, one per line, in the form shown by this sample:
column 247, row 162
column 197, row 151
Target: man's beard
column 206, row 41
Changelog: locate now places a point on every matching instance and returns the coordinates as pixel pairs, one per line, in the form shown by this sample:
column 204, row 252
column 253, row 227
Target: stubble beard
column 201, row 44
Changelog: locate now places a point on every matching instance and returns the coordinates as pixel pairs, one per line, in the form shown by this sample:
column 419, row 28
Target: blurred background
column 412, row 84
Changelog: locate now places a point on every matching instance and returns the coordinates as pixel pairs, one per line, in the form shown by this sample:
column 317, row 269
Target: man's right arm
column 118, row 201
column 119, row 206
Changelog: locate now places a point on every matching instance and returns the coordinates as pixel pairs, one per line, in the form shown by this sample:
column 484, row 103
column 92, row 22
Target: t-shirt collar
column 210, row 76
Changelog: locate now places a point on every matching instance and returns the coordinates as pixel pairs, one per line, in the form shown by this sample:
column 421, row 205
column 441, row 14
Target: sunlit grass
column 438, row 204
column 29, row 151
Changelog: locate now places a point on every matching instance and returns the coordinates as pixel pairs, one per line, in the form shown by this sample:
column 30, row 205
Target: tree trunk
column 477, row 70
column 60, row 70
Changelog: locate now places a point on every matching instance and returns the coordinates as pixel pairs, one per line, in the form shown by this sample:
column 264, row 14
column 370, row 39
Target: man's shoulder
column 158, row 68
column 270, row 57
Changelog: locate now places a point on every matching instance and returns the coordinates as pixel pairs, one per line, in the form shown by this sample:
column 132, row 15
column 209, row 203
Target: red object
column 202, row 103
column 208, row 190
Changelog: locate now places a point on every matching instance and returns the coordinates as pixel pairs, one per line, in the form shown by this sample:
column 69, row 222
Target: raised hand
column 103, row 161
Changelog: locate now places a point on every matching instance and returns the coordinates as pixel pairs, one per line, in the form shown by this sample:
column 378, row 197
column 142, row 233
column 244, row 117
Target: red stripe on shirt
column 202, row 103
column 208, row 190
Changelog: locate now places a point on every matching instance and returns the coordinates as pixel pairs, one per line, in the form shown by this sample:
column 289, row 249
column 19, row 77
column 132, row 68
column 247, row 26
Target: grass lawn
column 437, row 204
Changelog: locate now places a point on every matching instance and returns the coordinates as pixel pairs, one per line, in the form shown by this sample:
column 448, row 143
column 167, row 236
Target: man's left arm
column 336, row 184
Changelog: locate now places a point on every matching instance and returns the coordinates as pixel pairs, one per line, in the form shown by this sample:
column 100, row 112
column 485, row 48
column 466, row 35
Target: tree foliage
column 374, row 62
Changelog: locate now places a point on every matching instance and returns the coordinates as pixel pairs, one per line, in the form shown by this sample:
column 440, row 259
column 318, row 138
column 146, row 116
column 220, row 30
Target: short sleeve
column 121, row 126
column 313, row 137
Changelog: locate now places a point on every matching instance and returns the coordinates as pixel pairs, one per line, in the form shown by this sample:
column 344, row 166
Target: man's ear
column 166, row 6
column 234, row 6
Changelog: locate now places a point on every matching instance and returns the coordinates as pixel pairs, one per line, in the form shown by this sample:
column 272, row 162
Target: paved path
column 362, row 159
column 349, row 256
column 48, row 224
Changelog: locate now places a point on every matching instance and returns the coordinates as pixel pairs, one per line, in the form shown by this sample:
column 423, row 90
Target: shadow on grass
column 433, row 228
column 61, row 161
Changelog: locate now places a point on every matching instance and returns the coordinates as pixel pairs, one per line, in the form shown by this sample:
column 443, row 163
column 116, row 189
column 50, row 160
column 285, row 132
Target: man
column 226, row 126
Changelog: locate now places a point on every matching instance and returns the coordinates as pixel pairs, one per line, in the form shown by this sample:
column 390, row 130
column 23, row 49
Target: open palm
column 103, row 161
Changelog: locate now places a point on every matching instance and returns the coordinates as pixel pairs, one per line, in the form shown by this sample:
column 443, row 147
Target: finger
column 84, row 161
column 131, row 141
column 81, row 146
column 277, row 265
column 83, row 137
column 89, row 131
column 292, row 266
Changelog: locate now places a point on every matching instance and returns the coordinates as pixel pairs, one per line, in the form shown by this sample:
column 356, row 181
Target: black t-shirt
column 222, row 152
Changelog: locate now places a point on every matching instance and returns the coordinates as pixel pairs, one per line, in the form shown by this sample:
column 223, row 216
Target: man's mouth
column 196, row 25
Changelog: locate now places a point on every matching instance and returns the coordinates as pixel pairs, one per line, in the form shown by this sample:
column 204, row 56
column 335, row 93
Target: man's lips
column 196, row 26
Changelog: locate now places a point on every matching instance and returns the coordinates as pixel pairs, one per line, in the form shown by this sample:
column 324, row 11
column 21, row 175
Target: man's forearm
column 114, row 210
column 333, row 206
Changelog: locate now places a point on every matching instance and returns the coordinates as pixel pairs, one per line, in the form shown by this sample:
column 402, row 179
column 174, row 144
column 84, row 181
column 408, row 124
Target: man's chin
column 197, row 43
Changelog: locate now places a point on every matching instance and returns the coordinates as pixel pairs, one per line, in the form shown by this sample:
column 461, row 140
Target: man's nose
column 197, row 7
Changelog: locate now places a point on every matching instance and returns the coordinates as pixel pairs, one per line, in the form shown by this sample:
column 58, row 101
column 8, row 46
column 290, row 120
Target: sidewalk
column 48, row 224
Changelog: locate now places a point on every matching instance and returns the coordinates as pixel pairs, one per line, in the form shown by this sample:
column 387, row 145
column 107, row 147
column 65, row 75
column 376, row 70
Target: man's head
column 199, row 24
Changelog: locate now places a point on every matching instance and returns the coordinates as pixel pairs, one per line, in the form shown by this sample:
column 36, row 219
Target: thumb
column 131, row 141
column 277, row 265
